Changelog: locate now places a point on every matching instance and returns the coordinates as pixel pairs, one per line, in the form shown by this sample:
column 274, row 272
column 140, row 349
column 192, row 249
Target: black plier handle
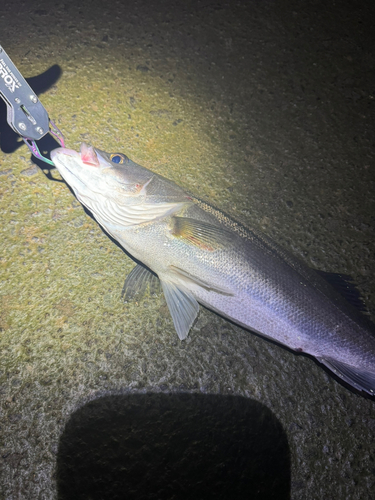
column 26, row 115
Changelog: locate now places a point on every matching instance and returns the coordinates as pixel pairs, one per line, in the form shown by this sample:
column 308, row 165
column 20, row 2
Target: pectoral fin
column 138, row 280
column 185, row 276
column 201, row 234
column 182, row 306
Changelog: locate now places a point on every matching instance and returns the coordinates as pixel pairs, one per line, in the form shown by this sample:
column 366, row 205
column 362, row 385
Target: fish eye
column 118, row 158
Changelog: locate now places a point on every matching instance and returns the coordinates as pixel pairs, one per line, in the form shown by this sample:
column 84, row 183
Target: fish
column 201, row 255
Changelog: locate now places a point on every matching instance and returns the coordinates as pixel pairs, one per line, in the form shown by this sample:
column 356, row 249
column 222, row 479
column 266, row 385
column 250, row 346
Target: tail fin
column 357, row 377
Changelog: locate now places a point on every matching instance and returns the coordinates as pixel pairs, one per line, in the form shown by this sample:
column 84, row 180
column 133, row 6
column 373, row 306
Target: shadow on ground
column 173, row 446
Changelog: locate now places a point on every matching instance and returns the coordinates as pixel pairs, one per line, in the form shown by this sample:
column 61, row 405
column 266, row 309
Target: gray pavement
column 267, row 110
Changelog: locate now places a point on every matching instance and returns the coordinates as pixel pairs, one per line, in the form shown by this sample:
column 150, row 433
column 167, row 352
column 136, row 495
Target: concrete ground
column 267, row 110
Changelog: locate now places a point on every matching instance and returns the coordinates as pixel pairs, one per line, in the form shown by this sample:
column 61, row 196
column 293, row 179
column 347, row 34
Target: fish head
column 119, row 192
column 95, row 174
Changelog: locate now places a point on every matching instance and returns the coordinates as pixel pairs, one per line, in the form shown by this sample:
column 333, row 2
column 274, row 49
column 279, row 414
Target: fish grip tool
column 26, row 115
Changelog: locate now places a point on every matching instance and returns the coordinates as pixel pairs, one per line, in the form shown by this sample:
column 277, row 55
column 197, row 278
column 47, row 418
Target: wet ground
column 267, row 110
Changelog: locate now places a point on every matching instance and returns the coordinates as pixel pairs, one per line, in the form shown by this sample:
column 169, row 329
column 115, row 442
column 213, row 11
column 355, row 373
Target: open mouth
column 88, row 155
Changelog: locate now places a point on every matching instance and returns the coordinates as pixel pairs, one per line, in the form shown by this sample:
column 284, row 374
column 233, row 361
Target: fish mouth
column 87, row 154
column 63, row 151
column 69, row 171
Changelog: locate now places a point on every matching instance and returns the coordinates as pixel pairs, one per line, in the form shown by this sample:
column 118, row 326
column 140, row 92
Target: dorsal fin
column 343, row 283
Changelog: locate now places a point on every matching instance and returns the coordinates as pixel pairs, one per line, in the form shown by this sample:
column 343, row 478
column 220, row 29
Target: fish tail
column 357, row 377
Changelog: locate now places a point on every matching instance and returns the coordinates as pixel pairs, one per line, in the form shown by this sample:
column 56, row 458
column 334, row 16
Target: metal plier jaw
column 26, row 115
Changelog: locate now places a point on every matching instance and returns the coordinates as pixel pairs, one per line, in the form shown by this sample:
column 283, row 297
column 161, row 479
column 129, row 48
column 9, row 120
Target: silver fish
column 201, row 255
